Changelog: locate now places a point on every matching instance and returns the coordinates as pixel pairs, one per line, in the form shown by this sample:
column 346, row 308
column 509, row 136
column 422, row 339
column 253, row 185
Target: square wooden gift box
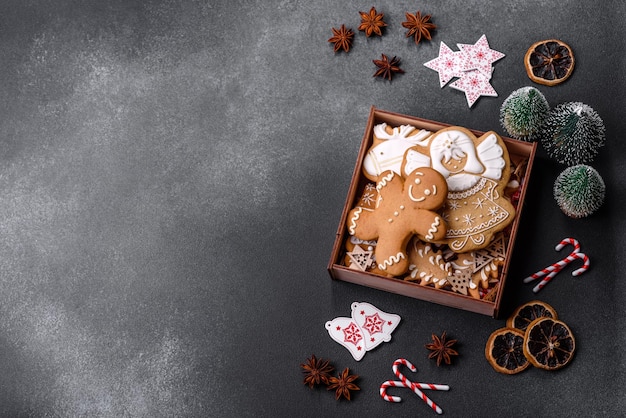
column 518, row 152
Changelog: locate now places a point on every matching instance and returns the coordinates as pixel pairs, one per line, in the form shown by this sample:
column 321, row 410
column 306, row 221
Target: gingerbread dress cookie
column 477, row 171
column 405, row 207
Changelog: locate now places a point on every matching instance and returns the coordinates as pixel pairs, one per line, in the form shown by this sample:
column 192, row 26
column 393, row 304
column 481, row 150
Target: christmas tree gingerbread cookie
column 405, row 208
column 477, row 171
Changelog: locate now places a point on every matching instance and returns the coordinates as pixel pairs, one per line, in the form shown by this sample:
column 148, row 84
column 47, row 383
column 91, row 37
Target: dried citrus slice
column 549, row 343
column 505, row 352
column 549, row 62
column 528, row 312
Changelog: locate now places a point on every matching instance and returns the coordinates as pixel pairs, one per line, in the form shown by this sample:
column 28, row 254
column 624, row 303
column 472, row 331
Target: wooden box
column 521, row 153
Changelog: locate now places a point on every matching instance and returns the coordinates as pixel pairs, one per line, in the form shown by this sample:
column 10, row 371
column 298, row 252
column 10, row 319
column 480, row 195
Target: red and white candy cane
column 415, row 387
column 555, row 268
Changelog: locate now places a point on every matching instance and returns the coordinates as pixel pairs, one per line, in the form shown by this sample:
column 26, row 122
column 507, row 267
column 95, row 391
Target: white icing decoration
column 354, row 219
column 384, row 181
column 491, row 155
column 462, row 181
column 415, row 160
column 357, row 241
column 478, row 239
column 388, row 154
column 485, row 160
column 433, row 228
column 391, row 261
column 454, row 144
column 413, row 198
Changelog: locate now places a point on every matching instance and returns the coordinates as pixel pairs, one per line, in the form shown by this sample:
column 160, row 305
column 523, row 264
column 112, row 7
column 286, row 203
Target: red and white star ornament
column 366, row 329
column 472, row 65
column 474, row 84
column 447, row 64
column 479, row 56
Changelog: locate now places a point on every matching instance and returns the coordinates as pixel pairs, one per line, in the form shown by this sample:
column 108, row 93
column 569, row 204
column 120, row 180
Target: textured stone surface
column 172, row 175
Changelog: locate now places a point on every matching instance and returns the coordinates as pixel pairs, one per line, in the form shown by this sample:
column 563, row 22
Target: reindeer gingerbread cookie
column 404, row 208
column 388, row 148
column 477, row 171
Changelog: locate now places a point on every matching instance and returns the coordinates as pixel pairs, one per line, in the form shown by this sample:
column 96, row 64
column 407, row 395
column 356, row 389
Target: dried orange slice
column 549, row 62
column 549, row 343
column 505, row 352
column 528, row 312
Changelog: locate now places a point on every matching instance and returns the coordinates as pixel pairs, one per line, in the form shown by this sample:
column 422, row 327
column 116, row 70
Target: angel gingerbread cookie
column 405, row 207
column 477, row 171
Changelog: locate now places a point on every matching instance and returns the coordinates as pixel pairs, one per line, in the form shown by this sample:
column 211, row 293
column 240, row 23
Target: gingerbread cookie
column 427, row 264
column 477, row 171
column 359, row 254
column 405, row 207
column 388, row 148
column 477, row 272
column 369, row 197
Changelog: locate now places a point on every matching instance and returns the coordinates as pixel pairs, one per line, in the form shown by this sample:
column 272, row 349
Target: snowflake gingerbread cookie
column 477, row 171
column 405, row 208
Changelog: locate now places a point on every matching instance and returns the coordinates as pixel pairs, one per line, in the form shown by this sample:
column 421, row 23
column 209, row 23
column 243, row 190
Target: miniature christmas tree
column 523, row 113
column 573, row 133
column 579, row 191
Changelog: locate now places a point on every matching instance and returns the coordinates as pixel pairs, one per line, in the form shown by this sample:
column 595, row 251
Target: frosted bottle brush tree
column 523, row 113
column 579, row 191
column 573, row 133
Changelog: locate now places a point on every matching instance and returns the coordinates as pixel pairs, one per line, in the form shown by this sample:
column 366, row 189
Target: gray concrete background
column 172, row 175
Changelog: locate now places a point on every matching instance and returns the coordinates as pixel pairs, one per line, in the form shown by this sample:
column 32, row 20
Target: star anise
column 387, row 67
column 316, row 371
column 342, row 38
column 343, row 384
column 419, row 26
column 441, row 349
column 372, row 22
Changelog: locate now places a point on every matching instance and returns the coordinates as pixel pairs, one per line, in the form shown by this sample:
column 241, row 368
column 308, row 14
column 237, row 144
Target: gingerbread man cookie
column 477, row 171
column 405, row 207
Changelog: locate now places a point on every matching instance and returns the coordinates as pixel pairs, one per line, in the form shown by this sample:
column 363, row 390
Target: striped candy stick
column 553, row 269
column 406, row 382
column 571, row 241
column 387, row 384
column 432, row 386
column 576, row 272
column 398, row 384
column 556, row 267
column 585, row 266
column 577, row 253
column 545, row 281
column 413, row 387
